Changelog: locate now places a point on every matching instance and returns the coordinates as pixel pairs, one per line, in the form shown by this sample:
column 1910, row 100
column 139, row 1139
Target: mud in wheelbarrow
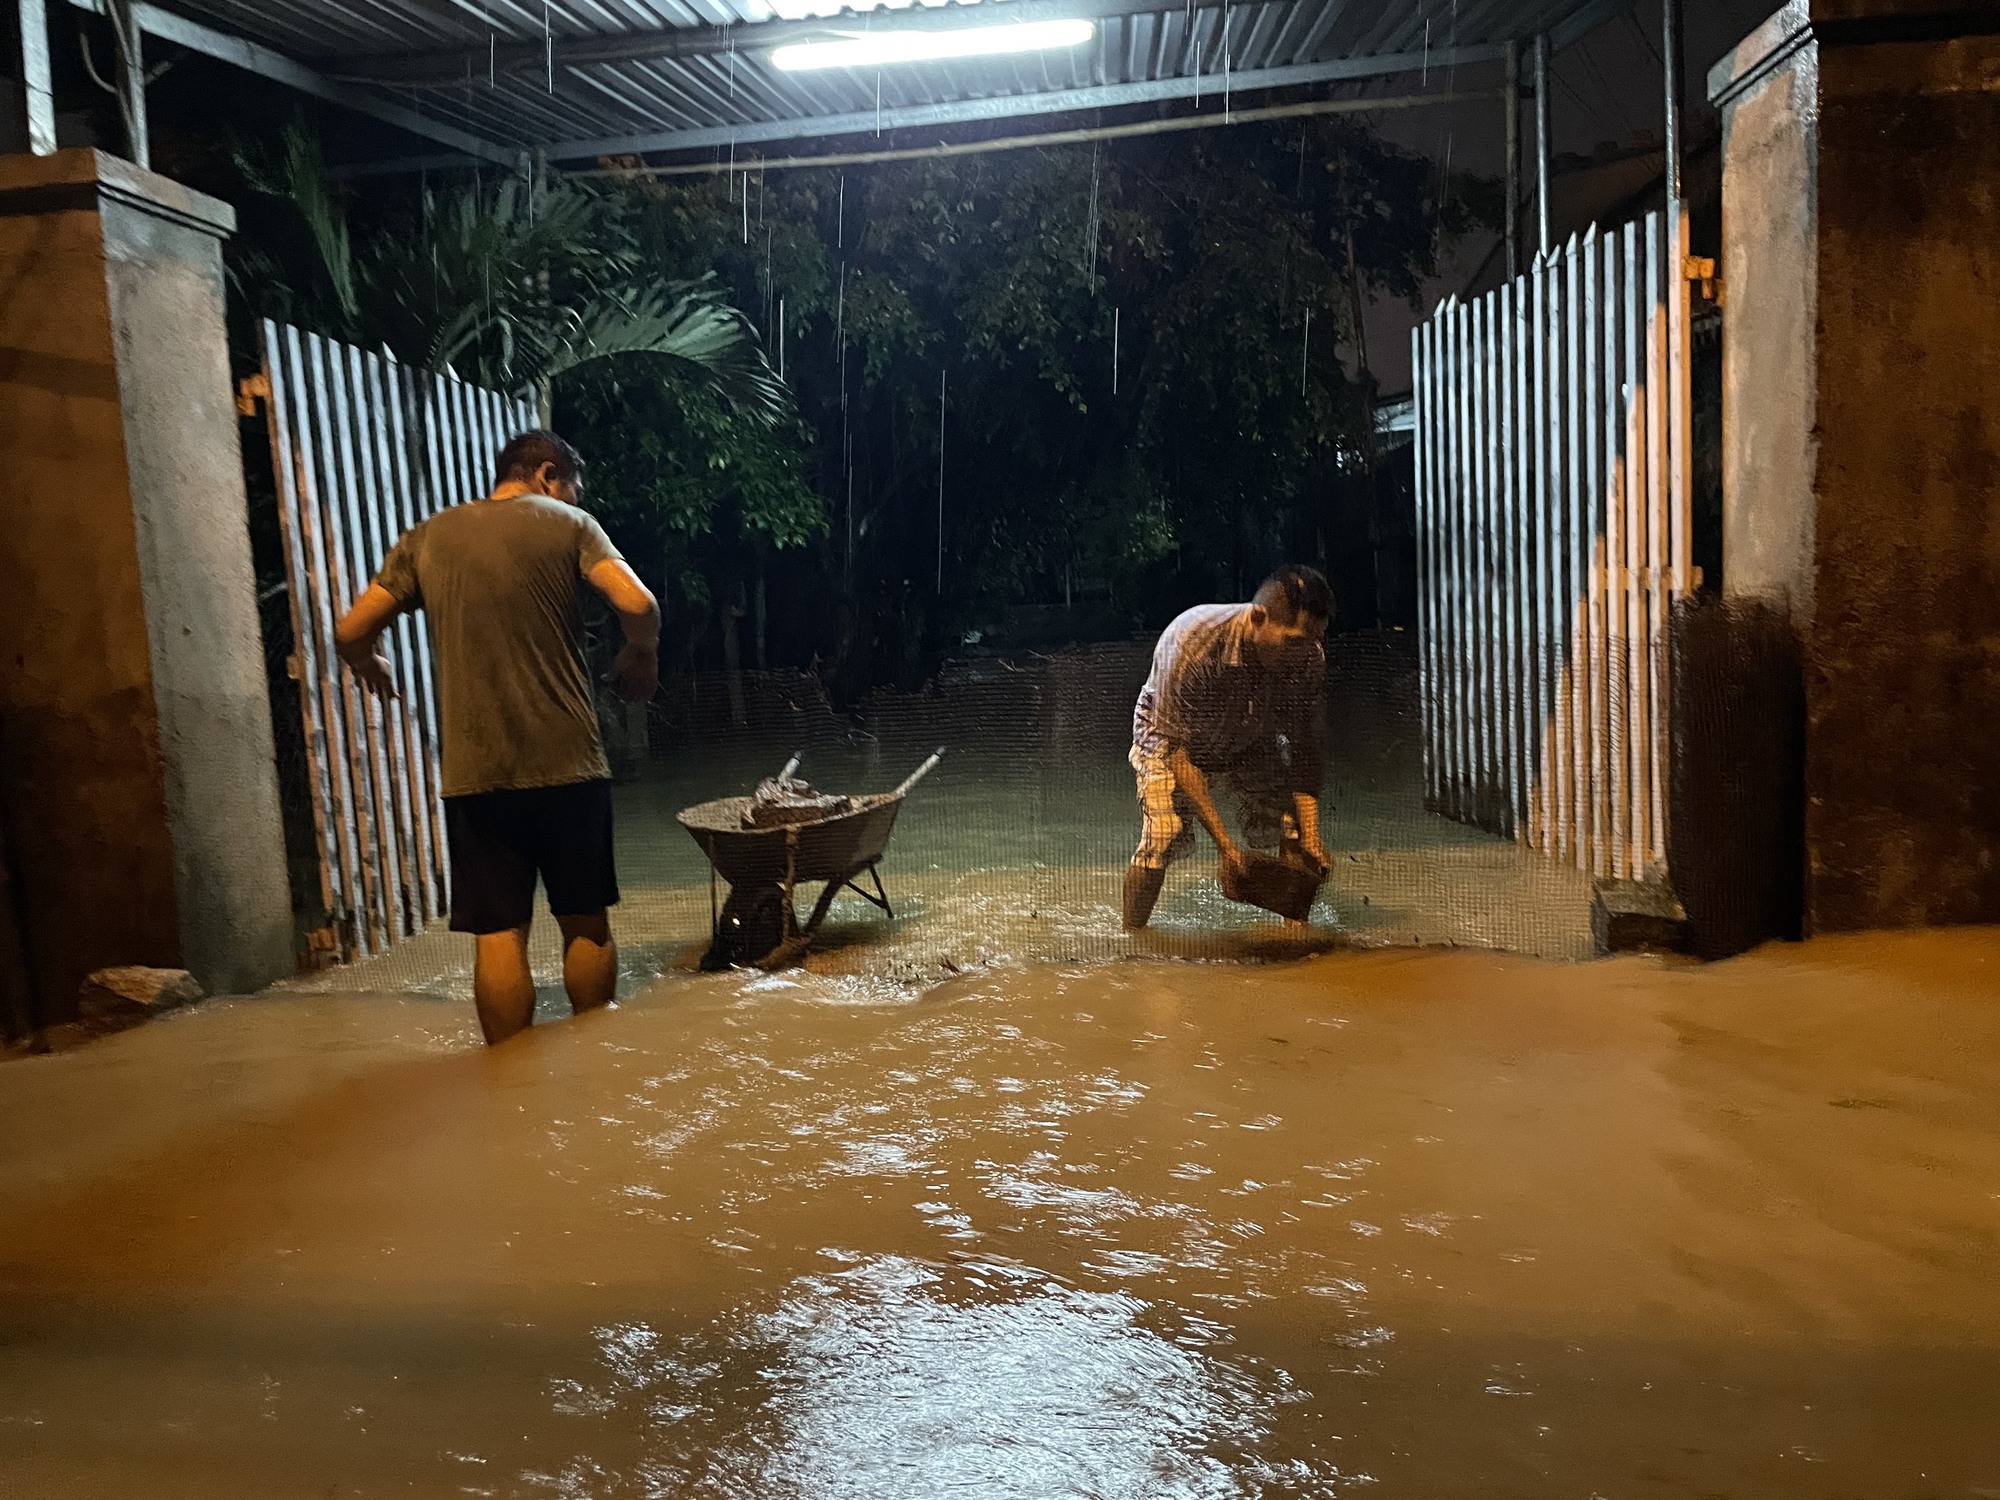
column 758, row 924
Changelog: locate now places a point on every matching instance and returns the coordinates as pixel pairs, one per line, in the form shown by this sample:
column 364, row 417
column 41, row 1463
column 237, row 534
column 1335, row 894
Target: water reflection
column 895, row 1377
column 1435, row 1226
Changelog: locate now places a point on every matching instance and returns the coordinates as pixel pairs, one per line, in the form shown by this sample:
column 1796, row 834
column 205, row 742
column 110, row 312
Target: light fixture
column 884, row 47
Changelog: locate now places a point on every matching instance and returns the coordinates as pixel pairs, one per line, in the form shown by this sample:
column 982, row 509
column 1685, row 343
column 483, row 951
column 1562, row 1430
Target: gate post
column 1861, row 411
column 136, row 760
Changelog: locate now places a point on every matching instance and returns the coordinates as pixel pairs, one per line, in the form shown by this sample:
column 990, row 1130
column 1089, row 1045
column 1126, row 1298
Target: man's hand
column 375, row 672
column 358, row 637
column 1305, row 812
column 636, row 673
column 1307, row 829
column 1232, row 862
column 1192, row 784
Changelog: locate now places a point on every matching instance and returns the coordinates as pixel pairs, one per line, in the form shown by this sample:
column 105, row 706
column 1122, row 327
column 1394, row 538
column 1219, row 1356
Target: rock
column 115, row 998
column 1630, row 916
column 785, row 799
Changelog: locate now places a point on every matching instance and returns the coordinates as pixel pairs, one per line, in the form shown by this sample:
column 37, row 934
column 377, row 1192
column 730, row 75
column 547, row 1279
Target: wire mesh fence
column 1015, row 849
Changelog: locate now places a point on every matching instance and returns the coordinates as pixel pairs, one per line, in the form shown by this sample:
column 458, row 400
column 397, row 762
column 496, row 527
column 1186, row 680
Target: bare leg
column 1142, row 890
column 590, row 961
column 502, row 987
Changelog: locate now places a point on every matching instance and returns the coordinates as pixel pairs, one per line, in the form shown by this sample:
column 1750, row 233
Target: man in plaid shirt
column 1237, row 697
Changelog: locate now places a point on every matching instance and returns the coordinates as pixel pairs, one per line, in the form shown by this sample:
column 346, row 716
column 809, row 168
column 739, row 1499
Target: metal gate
column 1553, row 520
column 364, row 448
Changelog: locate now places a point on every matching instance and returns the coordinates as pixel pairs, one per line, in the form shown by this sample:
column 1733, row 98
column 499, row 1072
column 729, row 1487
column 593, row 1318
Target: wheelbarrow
column 758, row 924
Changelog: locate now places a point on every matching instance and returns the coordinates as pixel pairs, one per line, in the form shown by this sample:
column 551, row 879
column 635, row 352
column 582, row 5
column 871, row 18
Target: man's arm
column 359, row 639
column 1307, row 755
column 1305, row 808
column 1189, row 778
column 637, row 672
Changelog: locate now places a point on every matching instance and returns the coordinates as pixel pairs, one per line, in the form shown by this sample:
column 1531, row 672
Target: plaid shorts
column 1262, row 806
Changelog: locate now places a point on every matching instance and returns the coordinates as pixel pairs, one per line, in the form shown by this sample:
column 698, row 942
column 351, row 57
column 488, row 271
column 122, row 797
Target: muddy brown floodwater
column 1424, row 1225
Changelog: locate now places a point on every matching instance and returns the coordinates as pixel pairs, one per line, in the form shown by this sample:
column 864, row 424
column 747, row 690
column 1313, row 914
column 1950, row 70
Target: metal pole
column 1680, row 404
column 1609, row 782
column 1464, row 481
column 1420, row 452
column 1507, row 363
column 1486, row 622
column 1670, row 67
column 132, row 81
column 940, row 518
column 1574, row 391
column 1512, row 137
column 1590, row 580
column 35, row 80
column 1546, row 241
column 1542, row 497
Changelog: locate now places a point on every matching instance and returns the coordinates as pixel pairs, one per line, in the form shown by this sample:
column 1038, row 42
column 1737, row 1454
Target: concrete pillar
column 137, row 778
column 1861, row 422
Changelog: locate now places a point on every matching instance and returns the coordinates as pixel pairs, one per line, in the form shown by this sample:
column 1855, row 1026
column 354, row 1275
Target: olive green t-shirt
column 502, row 583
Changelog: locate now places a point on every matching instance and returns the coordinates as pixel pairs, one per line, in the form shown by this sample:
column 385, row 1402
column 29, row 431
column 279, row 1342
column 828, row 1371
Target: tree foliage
column 1127, row 368
column 1218, row 271
column 512, row 282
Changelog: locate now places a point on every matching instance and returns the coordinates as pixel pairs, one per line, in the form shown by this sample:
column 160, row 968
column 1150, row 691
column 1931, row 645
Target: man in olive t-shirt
column 527, row 791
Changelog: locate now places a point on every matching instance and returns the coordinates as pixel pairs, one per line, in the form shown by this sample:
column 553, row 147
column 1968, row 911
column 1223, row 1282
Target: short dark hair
column 526, row 452
column 1296, row 593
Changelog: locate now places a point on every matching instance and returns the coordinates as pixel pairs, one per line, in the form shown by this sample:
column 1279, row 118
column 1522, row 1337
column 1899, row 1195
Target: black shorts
column 500, row 841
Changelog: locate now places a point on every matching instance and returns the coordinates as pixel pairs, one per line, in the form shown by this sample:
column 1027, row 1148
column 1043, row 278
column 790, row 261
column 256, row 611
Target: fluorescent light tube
column 884, row 47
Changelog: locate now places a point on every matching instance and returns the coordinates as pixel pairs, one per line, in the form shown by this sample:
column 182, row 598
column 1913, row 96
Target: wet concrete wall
column 135, row 741
column 1770, row 224
column 1736, row 811
column 1862, row 414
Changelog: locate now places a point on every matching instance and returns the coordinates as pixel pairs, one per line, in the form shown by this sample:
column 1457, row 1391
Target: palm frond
column 298, row 173
column 689, row 322
column 512, row 284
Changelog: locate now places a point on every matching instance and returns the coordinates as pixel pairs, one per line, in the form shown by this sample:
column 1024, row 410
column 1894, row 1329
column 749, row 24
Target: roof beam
column 1173, row 125
column 454, row 67
column 252, row 57
column 1056, row 102
column 1584, row 20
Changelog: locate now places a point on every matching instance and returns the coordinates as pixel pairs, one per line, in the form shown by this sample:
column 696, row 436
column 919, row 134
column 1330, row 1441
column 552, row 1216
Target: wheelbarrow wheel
column 798, row 939
column 754, row 923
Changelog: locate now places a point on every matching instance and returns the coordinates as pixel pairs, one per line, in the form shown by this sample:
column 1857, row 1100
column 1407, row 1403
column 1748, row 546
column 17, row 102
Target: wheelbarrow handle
column 920, row 773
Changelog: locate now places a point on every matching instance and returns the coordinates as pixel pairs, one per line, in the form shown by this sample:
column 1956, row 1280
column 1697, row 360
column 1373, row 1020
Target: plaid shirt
column 1208, row 696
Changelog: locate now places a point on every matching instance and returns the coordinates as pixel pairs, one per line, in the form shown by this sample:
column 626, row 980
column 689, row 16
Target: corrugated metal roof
column 594, row 77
